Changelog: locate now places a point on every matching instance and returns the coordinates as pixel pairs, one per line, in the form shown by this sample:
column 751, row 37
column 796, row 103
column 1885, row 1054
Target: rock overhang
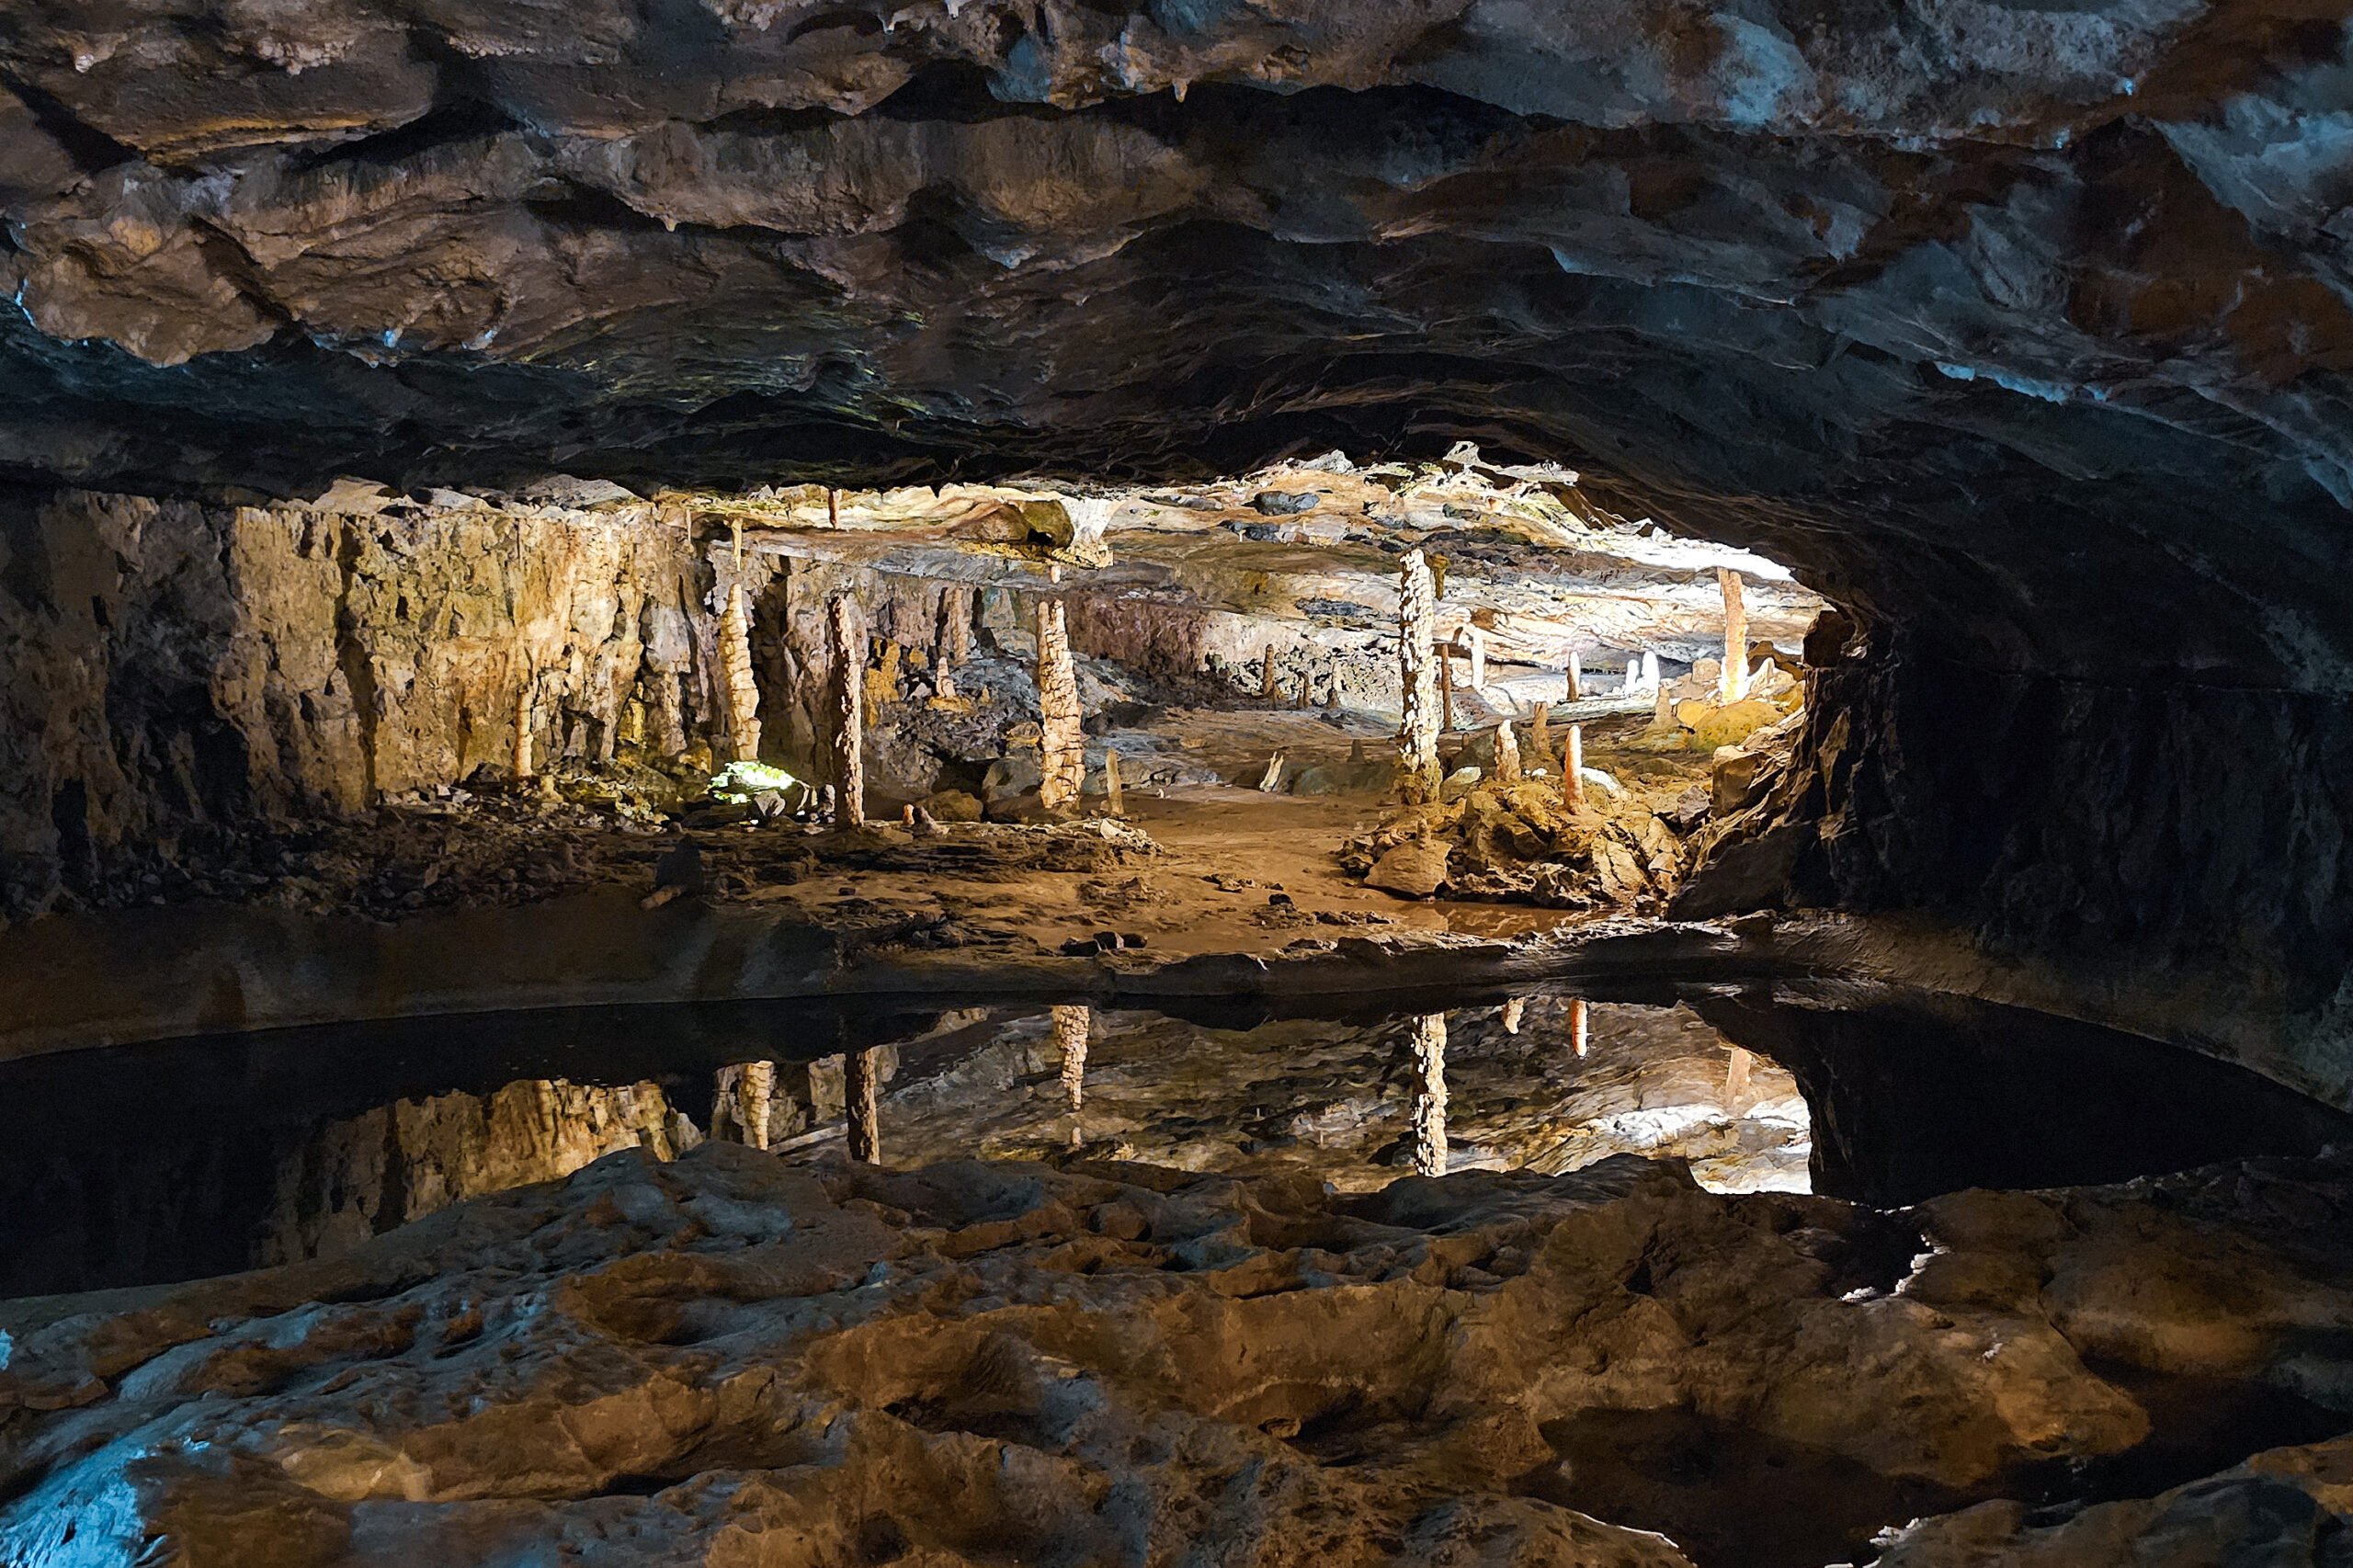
column 1964, row 315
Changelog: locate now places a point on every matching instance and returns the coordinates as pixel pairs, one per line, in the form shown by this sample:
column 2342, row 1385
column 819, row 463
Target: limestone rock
column 1415, row 868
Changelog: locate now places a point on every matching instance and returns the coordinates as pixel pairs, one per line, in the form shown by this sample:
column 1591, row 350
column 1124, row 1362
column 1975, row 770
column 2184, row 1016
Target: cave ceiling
column 1960, row 306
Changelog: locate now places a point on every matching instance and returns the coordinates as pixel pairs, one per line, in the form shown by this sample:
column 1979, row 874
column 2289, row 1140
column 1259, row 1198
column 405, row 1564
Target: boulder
column 953, row 806
column 1415, row 869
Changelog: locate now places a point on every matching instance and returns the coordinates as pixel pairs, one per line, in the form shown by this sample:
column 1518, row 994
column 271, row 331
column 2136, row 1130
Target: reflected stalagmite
column 1071, row 1025
column 1733, row 684
column 1416, row 630
column 849, row 711
column 861, row 1097
column 1430, row 1094
column 1580, row 1025
column 1062, row 745
column 1514, row 1011
column 740, row 1108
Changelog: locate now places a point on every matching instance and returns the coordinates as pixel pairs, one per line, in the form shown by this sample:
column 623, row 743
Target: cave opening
column 1143, row 781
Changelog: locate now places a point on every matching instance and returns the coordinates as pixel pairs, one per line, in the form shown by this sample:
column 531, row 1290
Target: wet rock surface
column 970, row 1359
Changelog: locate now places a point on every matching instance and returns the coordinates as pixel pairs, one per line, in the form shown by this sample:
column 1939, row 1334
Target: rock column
column 1416, row 630
column 861, row 1095
column 848, row 650
column 1430, row 1094
column 743, row 695
column 741, row 1112
column 1733, row 685
column 1070, row 1034
column 1062, row 745
column 523, row 731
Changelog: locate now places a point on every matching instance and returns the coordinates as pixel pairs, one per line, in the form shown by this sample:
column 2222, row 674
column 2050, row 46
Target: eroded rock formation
column 685, row 1358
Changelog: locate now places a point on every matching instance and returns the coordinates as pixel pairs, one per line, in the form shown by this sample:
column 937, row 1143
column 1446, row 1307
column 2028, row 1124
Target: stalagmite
column 1430, row 1094
column 1070, row 1033
column 1737, row 1079
column 1539, row 735
column 1113, row 801
column 1475, row 642
column 1580, row 1025
column 1416, row 629
column 953, row 645
column 832, row 508
column 849, row 711
column 1306, row 686
column 1268, row 688
column 1272, row 779
column 1576, row 677
column 1514, row 1010
column 742, row 694
column 1734, row 685
column 861, row 1095
column 1573, row 767
column 1061, row 745
column 523, row 731
column 1507, row 753
column 1650, row 671
column 1446, row 689
column 1662, row 716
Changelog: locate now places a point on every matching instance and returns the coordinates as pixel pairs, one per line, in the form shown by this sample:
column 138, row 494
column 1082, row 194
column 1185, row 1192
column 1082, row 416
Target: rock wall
column 2155, row 842
column 171, row 670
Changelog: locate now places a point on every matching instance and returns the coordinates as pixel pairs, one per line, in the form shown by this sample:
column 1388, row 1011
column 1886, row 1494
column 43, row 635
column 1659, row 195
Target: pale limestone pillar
column 1573, row 767
column 1507, row 753
column 1734, row 685
column 1430, row 1094
column 1062, row 745
column 1577, row 676
column 1514, row 1010
column 1539, row 735
column 1416, row 630
column 1267, row 690
column 1580, row 1025
column 861, row 1095
column 736, row 686
column 849, row 640
column 1113, row 801
column 523, row 718
column 1475, row 640
column 1070, row 1033
column 1650, row 670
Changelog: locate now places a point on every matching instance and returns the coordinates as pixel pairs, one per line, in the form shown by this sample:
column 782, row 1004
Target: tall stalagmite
column 1416, row 630
column 742, row 693
column 849, row 639
column 1062, row 745
column 1430, row 1094
column 1474, row 643
column 1573, row 767
column 1734, row 685
column 1507, row 753
column 1070, row 1034
column 523, row 719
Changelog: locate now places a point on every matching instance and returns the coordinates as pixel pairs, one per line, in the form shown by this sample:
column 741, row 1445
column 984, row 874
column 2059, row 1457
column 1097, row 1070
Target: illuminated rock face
column 2021, row 333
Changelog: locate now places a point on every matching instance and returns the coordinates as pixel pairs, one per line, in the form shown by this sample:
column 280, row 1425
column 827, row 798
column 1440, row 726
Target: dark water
column 184, row 1159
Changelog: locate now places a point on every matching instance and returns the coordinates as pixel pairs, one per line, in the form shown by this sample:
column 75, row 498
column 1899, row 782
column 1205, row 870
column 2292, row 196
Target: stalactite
column 1430, row 1094
column 1416, row 629
column 1507, row 753
column 861, row 1095
column 1733, row 684
column 669, row 712
column 1070, row 1026
column 1573, row 767
column 848, row 650
column 1062, row 745
column 1540, row 736
column 737, row 688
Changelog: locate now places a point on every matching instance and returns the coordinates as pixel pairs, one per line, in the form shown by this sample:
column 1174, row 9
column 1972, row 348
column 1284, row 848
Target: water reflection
column 202, row 1157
